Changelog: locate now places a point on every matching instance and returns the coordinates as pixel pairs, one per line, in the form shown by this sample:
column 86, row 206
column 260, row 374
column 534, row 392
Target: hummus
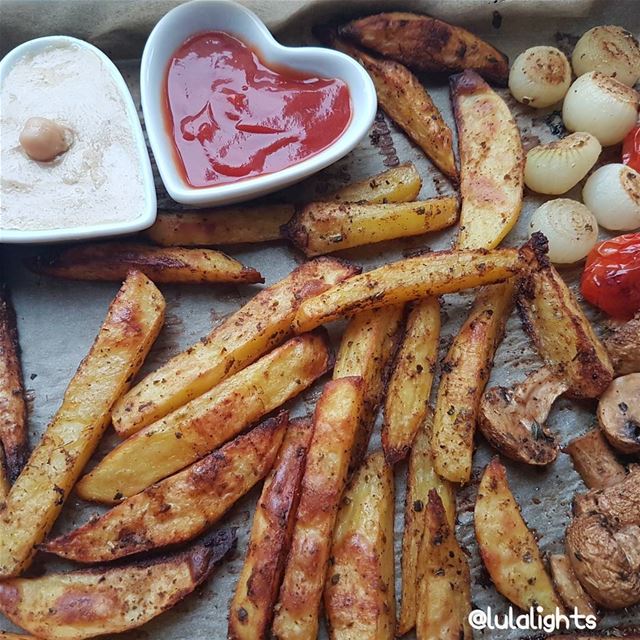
column 98, row 179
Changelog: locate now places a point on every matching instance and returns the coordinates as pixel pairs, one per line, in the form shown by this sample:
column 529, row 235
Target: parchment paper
column 58, row 320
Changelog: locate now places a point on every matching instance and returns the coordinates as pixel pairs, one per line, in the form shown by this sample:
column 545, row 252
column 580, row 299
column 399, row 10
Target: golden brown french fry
column 431, row 274
column 444, row 590
column 424, row 43
column 421, row 478
column 595, row 461
column 335, row 423
column 465, row 372
column 569, row 588
column 14, row 437
column 407, row 103
column 113, row 260
column 409, row 386
column 367, row 346
column 508, row 549
column 324, row 227
column 562, row 334
column 220, row 226
column 94, row 602
column 180, row 507
column 202, row 425
column 36, row 498
column 259, row 326
column 359, row 595
column 491, row 163
column 251, row 609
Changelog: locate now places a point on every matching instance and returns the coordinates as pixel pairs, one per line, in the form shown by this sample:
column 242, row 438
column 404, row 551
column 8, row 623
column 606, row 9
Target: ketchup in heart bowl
column 231, row 114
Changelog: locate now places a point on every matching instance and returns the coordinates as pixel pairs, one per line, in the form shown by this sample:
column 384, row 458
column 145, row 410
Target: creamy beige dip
column 98, row 179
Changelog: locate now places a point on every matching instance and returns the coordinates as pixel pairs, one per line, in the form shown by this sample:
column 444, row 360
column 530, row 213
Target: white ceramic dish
column 223, row 15
column 148, row 215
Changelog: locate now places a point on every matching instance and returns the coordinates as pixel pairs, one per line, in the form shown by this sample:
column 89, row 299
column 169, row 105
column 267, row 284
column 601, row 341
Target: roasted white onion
column 612, row 194
column 570, row 228
column 610, row 50
column 602, row 106
column 558, row 166
column 540, row 76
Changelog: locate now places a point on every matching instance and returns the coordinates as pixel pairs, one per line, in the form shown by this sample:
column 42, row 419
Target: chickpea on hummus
column 69, row 156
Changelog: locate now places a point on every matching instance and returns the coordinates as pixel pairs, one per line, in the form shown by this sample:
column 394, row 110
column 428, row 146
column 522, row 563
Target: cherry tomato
column 611, row 277
column 631, row 149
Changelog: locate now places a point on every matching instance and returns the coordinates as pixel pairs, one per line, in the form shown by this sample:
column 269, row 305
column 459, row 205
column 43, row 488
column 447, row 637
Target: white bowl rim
column 363, row 111
column 84, row 232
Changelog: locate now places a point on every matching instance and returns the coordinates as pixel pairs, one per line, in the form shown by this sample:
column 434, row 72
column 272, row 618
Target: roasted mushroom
column 619, row 413
column 623, row 346
column 512, row 419
column 603, row 542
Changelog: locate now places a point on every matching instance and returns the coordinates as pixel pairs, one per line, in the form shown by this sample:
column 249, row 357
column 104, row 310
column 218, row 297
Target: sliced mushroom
column 512, row 419
column 619, row 413
column 603, row 543
column 623, row 346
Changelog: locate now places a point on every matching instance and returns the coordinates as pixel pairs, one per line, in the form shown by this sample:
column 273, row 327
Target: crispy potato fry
column 466, row 370
column 424, row 43
column 569, row 588
column 113, row 260
column 251, row 609
column 202, row 425
column 431, row 274
column 262, row 324
column 180, row 507
column 366, row 349
column 491, row 163
column 359, row 597
column 562, row 334
column 595, row 460
column 409, row 386
column 36, row 498
column 220, row 226
column 335, row 424
column 421, row 478
column 14, row 437
column 508, row 549
column 94, row 602
column 444, row 590
column 324, row 227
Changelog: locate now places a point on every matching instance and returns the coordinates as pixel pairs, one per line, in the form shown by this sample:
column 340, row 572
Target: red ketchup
column 231, row 117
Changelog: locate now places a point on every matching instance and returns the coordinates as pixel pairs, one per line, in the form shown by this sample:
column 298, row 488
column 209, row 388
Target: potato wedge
column 259, row 326
column 359, row 597
column 595, row 460
column 220, row 226
column 180, row 507
column 424, row 43
column 366, row 349
column 113, row 260
column 569, row 588
column 94, row 602
column 409, row 386
column 5, row 635
column 444, row 590
column 431, row 274
column 407, row 103
column 421, row 478
column 325, row 227
column 491, row 163
column 562, row 334
column 465, row 372
column 507, row 547
column 4, row 479
column 251, row 609
column 14, row 437
column 202, row 425
column 36, row 498
column 335, row 424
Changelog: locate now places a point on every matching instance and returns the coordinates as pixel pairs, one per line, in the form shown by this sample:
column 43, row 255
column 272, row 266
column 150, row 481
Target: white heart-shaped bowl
column 201, row 16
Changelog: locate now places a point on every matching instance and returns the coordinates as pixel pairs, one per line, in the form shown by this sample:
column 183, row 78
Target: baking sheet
column 58, row 320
